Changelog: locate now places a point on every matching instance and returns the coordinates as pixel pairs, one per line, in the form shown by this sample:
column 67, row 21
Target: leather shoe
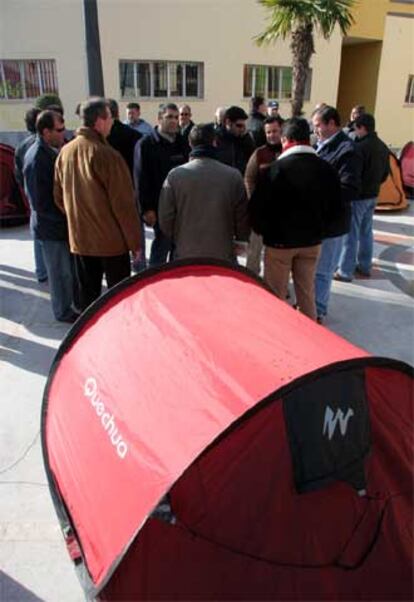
column 69, row 318
column 361, row 273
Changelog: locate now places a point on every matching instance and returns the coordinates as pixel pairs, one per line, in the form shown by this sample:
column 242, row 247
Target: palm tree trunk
column 302, row 49
column 93, row 49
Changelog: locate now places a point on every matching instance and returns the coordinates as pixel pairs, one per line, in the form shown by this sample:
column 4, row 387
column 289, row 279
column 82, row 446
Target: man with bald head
column 219, row 116
column 185, row 121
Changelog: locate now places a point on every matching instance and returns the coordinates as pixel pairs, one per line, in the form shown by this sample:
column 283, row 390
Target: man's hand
column 136, row 255
column 150, row 218
column 240, row 248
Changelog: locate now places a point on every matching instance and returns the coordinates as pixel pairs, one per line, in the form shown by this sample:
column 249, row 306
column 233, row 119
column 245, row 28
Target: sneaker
column 319, row 319
column 338, row 276
column 42, row 280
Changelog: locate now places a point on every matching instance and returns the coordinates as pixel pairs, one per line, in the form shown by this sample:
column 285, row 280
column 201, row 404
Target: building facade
column 377, row 67
column 202, row 52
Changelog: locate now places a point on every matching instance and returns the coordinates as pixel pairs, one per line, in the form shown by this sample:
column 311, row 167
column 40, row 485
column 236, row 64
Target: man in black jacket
column 335, row 147
column 234, row 144
column 122, row 137
column 255, row 122
column 358, row 246
column 293, row 213
column 155, row 156
column 349, row 129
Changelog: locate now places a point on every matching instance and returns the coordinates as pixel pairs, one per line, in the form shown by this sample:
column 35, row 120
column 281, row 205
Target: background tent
column 14, row 208
column 407, row 168
column 205, row 441
column 391, row 195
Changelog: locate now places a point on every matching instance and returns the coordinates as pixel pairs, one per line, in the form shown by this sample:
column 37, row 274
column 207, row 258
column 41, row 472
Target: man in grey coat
column 203, row 204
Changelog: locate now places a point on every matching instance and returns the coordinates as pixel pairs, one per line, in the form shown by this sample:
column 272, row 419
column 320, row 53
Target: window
column 161, row 79
column 25, row 79
column 271, row 82
column 409, row 94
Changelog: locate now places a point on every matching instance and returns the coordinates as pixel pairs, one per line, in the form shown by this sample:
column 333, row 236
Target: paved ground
column 376, row 314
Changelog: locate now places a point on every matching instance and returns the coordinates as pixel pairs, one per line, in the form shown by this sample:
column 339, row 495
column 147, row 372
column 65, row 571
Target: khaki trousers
column 254, row 253
column 301, row 261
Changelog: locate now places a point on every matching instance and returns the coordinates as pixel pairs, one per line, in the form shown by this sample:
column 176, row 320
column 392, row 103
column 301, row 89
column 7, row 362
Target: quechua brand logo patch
column 328, row 429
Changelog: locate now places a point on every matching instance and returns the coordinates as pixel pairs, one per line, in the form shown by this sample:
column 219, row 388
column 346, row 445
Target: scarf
column 290, row 143
column 204, row 150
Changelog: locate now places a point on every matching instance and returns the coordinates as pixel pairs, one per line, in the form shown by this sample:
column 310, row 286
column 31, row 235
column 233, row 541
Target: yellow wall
column 395, row 120
column 369, row 18
column 44, row 29
column 400, row 7
column 358, row 77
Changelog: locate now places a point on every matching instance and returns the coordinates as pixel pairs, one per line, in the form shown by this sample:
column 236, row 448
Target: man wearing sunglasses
column 234, row 144
column 185, row 121
column 48, row 223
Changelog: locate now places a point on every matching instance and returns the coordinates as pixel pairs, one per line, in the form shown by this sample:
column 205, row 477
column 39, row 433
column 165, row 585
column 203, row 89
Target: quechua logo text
column 91, row 392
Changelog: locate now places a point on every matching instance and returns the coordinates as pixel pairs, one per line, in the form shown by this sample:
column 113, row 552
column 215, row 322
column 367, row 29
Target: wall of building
column 44, row 29
column 358, row 77
column 395, row 120
column 218, row 33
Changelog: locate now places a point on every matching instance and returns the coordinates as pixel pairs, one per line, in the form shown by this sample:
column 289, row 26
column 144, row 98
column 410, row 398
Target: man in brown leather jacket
column 93, row 187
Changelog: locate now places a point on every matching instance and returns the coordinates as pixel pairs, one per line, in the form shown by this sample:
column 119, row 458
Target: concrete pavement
column 376, row 314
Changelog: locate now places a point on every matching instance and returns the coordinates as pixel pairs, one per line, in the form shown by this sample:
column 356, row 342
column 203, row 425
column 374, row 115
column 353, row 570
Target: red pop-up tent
column 204, row 441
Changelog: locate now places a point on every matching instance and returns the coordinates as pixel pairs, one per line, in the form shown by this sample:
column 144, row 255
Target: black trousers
column 89, row 271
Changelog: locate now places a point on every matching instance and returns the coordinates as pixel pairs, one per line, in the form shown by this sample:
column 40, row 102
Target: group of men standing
column 89, row 202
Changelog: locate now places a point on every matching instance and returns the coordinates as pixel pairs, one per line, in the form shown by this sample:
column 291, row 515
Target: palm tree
column 299, row 19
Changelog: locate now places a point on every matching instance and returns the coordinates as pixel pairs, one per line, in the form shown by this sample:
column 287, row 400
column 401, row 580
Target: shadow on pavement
column 21, row 281
column 12, row 591
column 27, row 355
column 391, row 226
column 392, row 255
column 16, row 233
column 17, row 271
column 28, row 311
column 28, row 303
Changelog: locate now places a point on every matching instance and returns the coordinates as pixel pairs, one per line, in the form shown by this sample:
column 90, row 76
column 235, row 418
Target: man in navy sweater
column 48, row 222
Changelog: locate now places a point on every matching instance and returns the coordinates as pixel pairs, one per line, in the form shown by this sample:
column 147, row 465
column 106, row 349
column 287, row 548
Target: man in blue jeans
column 19, row 153
column 335, row 147
column 49, row 224
column 357, row 251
